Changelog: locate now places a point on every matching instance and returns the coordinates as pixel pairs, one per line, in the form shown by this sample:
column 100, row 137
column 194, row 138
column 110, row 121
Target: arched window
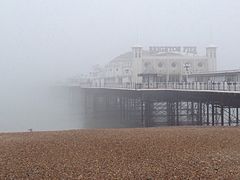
column 173, row 64
column 160, row 65
column 200, row 64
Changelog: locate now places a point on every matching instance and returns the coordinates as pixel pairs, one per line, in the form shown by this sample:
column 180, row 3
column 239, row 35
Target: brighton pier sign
column 165, row 49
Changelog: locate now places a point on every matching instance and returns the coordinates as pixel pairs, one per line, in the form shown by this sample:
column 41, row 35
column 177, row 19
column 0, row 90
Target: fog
column 45, row 41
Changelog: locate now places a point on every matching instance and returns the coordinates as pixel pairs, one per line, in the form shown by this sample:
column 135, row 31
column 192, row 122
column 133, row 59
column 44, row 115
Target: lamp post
column 187, row 67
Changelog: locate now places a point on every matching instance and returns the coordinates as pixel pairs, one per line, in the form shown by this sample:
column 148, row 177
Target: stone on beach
column 153, row 153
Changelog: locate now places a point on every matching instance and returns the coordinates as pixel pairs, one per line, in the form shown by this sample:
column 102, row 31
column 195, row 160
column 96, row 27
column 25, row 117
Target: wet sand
column 153, row 153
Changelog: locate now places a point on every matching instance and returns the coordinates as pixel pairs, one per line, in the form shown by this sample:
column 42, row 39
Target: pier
column 173, row 104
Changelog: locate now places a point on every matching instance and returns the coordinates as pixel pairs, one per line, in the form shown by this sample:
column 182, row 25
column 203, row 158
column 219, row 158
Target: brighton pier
column 190, row 92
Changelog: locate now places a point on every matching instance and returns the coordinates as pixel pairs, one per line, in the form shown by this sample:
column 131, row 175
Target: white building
column 157, row 64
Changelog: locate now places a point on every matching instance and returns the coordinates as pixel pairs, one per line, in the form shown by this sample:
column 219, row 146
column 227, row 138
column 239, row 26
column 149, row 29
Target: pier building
column 157, row 64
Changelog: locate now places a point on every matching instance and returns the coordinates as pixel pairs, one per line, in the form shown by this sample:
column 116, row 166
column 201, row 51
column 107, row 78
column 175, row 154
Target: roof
column 234, row 71
column 168, row 54
column 123, row 57
column 211, row 46
column 126, row 57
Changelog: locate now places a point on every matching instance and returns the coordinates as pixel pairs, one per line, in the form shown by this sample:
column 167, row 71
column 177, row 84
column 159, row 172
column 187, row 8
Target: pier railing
column 214, row 86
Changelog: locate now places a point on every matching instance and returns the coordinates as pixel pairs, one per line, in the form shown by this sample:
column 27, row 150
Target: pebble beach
column 144, row 153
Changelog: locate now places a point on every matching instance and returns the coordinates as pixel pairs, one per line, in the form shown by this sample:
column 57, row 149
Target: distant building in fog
column 157, row 64
column 216, row 76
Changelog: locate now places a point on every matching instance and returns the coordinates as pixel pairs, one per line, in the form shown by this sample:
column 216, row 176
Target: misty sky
column 53, row 39
column 49, row 40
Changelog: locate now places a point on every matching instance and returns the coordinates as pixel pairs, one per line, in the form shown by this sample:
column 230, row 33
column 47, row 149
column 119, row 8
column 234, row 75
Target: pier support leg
column 177, row 113
column 237, row 117
column 200, row 113
column 142, row 114
column 222, row 116
column 192, row 112
column 207, row 114
column 213, row 114
column 229, row 116
column 148, row 114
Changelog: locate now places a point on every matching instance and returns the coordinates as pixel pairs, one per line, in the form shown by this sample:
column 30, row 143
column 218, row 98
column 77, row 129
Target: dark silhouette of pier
column 159, row 106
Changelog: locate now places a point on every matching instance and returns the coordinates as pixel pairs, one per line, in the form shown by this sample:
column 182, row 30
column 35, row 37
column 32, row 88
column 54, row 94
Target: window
column 160, row 65
column 174, row 65
column 200, row 64
column 146, row 64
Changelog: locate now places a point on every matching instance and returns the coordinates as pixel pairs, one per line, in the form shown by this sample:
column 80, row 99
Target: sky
column 44, row 41
column 55, row 39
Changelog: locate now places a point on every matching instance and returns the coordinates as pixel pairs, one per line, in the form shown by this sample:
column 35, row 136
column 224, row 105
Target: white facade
column 165, row 63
